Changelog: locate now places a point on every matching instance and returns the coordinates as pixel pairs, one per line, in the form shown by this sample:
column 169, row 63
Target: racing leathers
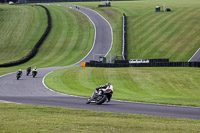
column 19, row 72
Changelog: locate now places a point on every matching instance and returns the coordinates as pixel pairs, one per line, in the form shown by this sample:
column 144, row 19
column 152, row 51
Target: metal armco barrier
column 124, row 37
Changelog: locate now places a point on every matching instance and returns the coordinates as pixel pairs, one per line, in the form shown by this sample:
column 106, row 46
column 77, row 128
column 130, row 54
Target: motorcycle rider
column 28, row 70
column 19, row 72
column 34, row 71
column 107, row 87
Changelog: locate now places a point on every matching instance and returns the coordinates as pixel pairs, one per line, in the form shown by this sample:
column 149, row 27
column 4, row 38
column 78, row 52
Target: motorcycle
column 100, row 96
column 28, row 71
column 34, row 73
column 18, row 75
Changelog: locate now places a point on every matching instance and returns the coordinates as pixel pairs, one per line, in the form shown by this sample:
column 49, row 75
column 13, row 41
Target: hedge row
column 33, row 52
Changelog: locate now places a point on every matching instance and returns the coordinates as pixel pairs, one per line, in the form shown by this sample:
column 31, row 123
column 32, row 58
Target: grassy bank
column 29, row 118
column 172, row 35
column 70, row 39
column 179, row 86
column 20, row 29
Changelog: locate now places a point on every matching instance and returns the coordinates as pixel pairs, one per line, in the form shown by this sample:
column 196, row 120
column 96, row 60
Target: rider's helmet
column 20, row 69
column 108, row 84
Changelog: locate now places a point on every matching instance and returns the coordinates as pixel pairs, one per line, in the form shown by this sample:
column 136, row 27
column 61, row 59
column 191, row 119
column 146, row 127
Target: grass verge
column 178, row 86
column 30, row 118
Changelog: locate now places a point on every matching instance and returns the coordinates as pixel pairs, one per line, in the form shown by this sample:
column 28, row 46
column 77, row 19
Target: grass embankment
column 178, row 86
column 29, row 118
column 173, row 35
column 20, row 29
column 70, row 39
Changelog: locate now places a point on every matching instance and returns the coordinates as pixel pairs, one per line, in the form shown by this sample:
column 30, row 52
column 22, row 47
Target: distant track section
column 33, row 52
column 195, row 57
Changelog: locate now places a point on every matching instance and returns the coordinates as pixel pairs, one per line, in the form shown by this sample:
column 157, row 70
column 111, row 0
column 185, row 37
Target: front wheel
column 89, row 101
column 101, row 100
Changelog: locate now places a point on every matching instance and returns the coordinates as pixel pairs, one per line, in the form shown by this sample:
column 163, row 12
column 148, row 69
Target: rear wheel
column 27, row 73
column 101, row 99
column 34, row 74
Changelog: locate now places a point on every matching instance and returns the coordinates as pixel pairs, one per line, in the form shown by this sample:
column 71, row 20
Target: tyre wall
column 153, row 64
column 50, row 1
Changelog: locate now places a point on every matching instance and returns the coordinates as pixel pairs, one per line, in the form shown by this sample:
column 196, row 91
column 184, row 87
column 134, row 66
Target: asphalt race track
column 195, row 57
column 30, row 90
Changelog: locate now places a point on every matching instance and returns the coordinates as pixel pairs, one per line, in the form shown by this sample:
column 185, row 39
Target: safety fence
column 112, row 58
column 152, row 64
column 36, row 47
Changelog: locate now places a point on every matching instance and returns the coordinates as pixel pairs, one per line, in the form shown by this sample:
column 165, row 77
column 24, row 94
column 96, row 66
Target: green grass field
column 20, row 29
column 39, row 119
column 173, row 35
column 177, row 86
